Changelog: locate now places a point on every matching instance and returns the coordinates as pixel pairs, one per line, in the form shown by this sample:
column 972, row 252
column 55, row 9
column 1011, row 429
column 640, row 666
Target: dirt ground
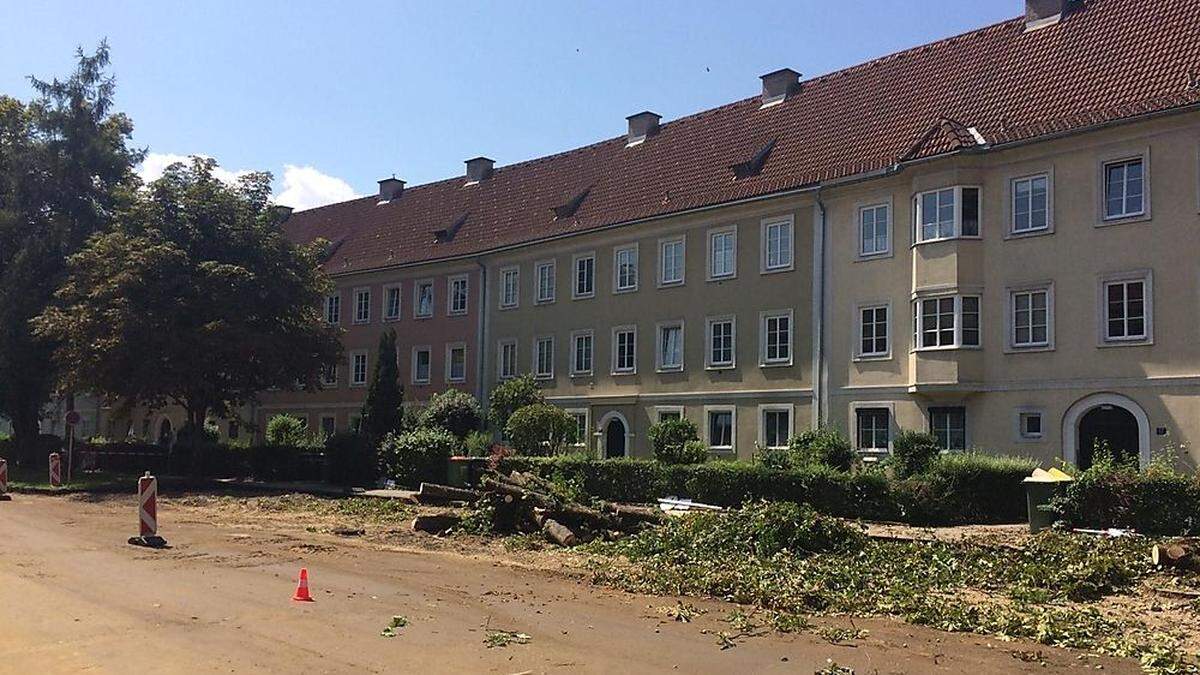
column 75, row 596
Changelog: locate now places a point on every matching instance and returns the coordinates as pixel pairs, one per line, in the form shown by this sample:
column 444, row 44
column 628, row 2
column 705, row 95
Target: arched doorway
column 616, row 435
column 1116, row 419
column 1111, row 425
column 166, row 434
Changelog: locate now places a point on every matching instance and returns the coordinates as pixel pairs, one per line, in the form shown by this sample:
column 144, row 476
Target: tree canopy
column 194, row 297
column 66, row 167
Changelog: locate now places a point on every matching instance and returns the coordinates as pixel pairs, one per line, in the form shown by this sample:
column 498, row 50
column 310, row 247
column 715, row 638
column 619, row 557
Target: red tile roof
column 1106, row 61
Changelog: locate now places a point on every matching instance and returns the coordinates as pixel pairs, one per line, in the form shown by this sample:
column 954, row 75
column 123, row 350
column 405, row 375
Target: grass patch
column 38, row 479
column 791, row 561
column 359, row 509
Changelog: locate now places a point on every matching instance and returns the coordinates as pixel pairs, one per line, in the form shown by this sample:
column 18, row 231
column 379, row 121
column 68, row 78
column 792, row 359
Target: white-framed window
column 333, row 309
column 722, row 253
column 422, row 364
column 544, row 278
column 1031, row 211
column 874, row 230
column 1031, row 317
column 457, row 290
column 328, row 425
column 774, row 425
column 582, row 428
column 1029, row 425
column 874, row 336
column 948, row 213
column 456, row 362
column 329, row 375
column 671, row 261
column 543, row 357
column 663, row 413
column 362, row 305
column 1125, row 183
column 423, row 299
column 624, row 339
column 720, row 428
column 358, row 369
column 873, row 429
column 721, row 339
column 946, row 322
column 669, row 348
column 584, row 285
column 778, row 249
column 776, row 344
column 949, row 425
column 391, row 302
column 1126, row 306
column 510, row 287
column 506, row 359
column 625, row 269
column 583, row 343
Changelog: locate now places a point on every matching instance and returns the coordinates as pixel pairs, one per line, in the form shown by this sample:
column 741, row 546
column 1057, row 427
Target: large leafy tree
column 65, row 169
column 194, row 298
column 383, row 411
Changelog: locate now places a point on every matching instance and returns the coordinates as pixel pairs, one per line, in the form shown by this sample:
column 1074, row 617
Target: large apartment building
column 992, row 237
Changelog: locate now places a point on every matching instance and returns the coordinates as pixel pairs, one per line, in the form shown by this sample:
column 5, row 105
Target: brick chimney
column 778, row 85
column 479, row 169
column 641, row 126
column 390, row 188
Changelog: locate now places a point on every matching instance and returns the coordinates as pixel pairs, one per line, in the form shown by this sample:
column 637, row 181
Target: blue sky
column 332, row 96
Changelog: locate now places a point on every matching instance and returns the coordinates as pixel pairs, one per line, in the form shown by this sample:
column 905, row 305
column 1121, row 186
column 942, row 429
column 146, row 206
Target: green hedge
column 1158, row 501
column 967, row 488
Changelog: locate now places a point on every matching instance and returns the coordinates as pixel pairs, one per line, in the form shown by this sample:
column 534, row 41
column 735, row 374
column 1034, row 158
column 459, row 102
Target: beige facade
column 670, row 372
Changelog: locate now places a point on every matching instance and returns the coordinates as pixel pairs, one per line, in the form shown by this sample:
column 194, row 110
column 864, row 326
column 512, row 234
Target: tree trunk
column 25, row 436
column 195, row 448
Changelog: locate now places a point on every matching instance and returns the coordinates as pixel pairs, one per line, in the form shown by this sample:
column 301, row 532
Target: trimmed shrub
column 540, row 429
column 416, row 456
column 454, row 411
column 814, row 447
column 913, row 452
column 477, row 444
column 1157, row 501
column 286, row 429
column 510, row 396
column 669, row 439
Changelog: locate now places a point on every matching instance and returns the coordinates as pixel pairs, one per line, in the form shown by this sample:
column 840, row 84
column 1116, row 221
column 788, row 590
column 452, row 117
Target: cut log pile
column 523, row 502
column 1183, row 555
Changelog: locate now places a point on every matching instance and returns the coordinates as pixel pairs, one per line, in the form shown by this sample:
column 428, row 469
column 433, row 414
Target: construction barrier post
column 4, row 481
column 55, row 470
column 148, row 514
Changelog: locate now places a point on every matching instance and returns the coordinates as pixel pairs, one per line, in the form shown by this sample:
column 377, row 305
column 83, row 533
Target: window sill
column 973, row 237
column 456, row 381
column 1147, row 342
column 422, row 317
column 462, row 313
column 1123, row 220
column 778, row 270
column 543, row 378
column 1032, row 349
column 544, row 302
column 721, row 450
column 1030, row 234
column 362, row 323
column 391, row 319
column 672, row 369
column 950, row 348
column 623, row 291
column 776, row 364
column 507, row 308
column 873, row 357
column 576, row 376
column 623, row 373
column 588, row 296
column 727, row 277
column 721, row 367
column 420, row 383
column 670, row 284
column 868, row 257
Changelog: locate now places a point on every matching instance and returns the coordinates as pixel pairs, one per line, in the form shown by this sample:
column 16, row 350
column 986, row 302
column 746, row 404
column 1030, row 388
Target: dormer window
column 948, row 213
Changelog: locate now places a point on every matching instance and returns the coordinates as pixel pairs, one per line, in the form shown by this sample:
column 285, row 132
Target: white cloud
column 304, row 187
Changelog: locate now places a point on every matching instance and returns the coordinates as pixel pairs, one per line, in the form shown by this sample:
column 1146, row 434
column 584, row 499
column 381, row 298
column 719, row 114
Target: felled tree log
column 432, row 493
column 636, row 515
column 435, row 523
column 1178, row 555
column 559, row 533
column 570, row 513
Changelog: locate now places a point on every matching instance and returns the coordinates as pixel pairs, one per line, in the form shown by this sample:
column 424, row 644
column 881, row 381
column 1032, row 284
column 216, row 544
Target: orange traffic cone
column 302, row 587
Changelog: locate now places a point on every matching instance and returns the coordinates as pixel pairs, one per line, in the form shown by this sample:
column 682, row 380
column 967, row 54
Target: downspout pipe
column 820, row 271
column 481, row 338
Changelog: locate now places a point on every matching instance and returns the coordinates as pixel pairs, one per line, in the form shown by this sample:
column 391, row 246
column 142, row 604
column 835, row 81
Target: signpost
column 72, row 419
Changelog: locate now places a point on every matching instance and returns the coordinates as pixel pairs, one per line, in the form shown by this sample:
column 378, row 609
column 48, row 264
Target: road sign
column 72, row 417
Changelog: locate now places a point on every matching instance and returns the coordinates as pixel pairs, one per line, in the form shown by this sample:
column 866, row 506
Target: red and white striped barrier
column 148, row 513
column 4, row 481
column 55, row 470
